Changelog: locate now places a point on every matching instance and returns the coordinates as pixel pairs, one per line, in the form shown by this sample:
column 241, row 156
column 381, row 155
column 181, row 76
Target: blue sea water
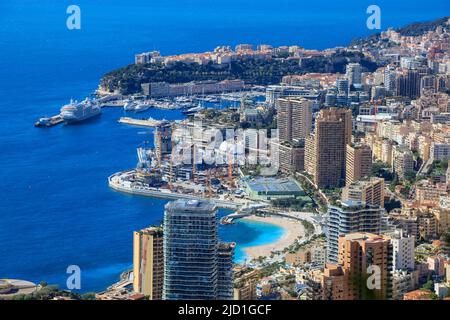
column 55, row 206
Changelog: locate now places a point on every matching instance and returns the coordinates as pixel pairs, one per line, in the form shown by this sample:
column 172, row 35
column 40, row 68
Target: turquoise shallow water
column 257, row 233
column 55, row 206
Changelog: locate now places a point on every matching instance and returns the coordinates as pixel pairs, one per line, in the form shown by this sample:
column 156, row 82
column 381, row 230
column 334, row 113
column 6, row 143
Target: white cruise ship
column 80, row 111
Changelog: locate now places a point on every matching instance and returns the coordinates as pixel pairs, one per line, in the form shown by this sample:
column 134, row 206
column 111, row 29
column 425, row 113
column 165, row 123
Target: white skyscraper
column 389, row 79
column 403, row 251
column 353, row 73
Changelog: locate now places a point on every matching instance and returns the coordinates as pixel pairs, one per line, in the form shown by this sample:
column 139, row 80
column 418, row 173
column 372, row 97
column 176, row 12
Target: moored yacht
column 140, row 107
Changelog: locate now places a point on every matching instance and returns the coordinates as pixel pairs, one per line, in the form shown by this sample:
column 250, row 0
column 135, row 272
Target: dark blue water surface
column 55, row 206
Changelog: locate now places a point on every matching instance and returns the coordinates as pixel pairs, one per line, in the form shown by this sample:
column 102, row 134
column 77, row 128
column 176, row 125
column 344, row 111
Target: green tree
column 88, row 296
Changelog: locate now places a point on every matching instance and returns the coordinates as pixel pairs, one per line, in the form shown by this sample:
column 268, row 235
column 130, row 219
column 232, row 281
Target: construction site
column 175, row 167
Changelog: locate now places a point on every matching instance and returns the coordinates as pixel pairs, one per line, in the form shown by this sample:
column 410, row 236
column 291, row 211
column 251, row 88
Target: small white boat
column 194, row 110
column 129, row 106
column 142, row 107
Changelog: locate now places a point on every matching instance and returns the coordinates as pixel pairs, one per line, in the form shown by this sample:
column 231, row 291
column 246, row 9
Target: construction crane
column 193, row 163
column 170, row 170
column 209, row 184
column 230, row 169
column 158, row 148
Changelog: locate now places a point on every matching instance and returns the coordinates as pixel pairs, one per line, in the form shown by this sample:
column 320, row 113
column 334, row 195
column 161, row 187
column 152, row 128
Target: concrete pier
column 53, row 121
column 140, row 122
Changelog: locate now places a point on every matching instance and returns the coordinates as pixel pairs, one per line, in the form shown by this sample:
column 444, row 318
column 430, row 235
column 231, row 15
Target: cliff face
column 128, row 80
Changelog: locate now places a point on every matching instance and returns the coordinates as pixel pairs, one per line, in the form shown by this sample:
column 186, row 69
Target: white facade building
column 403, row 251
column 440, row 151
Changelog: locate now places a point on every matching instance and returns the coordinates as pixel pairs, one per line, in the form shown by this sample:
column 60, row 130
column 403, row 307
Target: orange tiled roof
column 417, row 295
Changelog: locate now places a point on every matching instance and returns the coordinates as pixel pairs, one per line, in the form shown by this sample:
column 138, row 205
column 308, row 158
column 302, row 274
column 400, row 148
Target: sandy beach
column 292, row 230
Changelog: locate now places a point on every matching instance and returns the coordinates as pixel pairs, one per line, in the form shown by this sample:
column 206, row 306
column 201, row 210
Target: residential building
column 407, row 222
column 327, row 284
column 353, row 73
column 430, row 193
column 441, row 290
column 245, row 284
column 389, row 79
column 440, row 151
column 350, row 217
column 402, row 283
column 403, row 162
column 334, row 283
column 225, row 253
column 442, row 216
column 299, row 257
column 312, row 255
column 343, row 87
column 291, row 157
column 196, row 265
column 243, row 47
column 408, row 85
column 369, row 190
column 146, row 57
column 436, row 264
column 361, row 255
column 325, row 149
column 294, row 119
column 427, row 225
column 148, row 262
column 402, row 251
column 358, row 163
column 447, row 272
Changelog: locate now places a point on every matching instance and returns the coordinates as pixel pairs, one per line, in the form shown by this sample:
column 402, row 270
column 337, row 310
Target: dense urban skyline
column 344, row 151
